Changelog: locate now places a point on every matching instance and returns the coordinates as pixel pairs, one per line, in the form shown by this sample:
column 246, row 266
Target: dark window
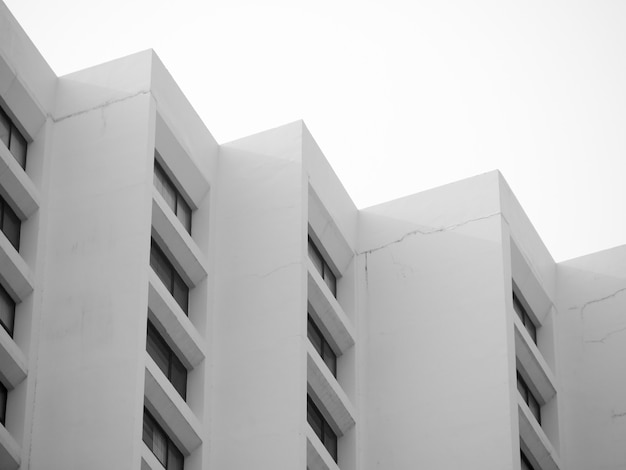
column 7, row 311
column 10, row 224
column 529, row 398
column 172, row 196
column 172, row 280
column 323, row 267
column 167, row 361
column 160, row 444
column 321, row 345
column 4, row 394
column 522, row 313
column 525, row 463
column 320, row 426
column 12, row 138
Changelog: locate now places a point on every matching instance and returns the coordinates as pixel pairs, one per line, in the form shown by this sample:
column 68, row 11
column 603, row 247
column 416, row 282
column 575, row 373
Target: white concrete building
column 169, row 302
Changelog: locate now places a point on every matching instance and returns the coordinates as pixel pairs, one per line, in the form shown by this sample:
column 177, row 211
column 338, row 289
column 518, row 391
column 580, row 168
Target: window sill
column 534, row 440
column 13, row 366
column 533, row 363
column 317, row 457
column 17, row 185
column 15, row 271
column 331, row 316
column 173, row 324
column 169, row 408
column 325, row 387
column 186, row 255
column 9, row 451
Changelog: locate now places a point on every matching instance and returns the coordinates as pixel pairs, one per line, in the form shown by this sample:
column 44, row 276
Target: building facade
column 170, row 302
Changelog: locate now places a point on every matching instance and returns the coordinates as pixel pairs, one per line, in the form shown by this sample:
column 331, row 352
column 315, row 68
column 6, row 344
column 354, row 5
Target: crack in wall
column 284, row 266
column 606, row 336
column 618, row 415
column 99, row 106
column 428, row 232
column 601, row 299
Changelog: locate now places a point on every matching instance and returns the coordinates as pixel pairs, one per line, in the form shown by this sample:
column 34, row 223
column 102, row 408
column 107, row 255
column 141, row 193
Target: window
column 321, row 427
column 322, row 267
column 7, row 311
column 529, row 398
column 321, row 345
column 12, row 138
column 172, row 196
column 4, row 394
column 160, row 444
column 525, row 463
column 522, row 313
column 172, row 280
column 10, row 224
column 167, row 361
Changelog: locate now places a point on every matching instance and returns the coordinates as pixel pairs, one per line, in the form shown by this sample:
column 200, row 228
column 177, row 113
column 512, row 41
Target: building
column 167, row 301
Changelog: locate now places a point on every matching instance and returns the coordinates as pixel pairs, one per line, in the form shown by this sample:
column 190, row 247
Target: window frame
column 326, row 435
column 175, row 280
column 170, row 446
column 322, row 266
column 154, row 337
column 14, row 134
column 522, row 313
column 6, row 214
column 524, row 460
column 325, row 350
column 179, row 206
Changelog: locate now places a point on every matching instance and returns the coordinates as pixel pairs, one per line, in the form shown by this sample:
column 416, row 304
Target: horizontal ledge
column 13, row 365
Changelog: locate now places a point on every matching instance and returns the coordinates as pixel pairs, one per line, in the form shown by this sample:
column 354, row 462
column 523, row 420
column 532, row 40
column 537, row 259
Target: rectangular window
column 10, row 224
column 167, row 361
column 321, row 345
column 4, row 395
column 12, row 138
column 322, row 266
column 172, row 196
column 7, row 311
column 160, row 444
column 167, row 273
column 321, row 427
column 522, row 313
column 529, row 398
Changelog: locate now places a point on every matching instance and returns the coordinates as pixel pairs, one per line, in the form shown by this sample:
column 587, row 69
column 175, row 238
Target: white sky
column 400, row 95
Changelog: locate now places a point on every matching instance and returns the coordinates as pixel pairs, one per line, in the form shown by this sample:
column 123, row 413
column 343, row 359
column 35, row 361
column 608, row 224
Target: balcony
column 13, row 365
column 14, row 270
column 9, row 451
column 317, row 457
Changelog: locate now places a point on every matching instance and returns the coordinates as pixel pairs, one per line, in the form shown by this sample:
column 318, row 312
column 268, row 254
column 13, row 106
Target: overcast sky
column 400, row 95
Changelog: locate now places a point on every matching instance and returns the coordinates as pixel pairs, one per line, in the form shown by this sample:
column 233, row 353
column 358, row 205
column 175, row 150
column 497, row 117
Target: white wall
column 259, row 394
column 591, row 348
column 435, row 343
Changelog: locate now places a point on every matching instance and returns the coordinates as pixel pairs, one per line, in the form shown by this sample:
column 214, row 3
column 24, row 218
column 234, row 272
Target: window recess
column 172, row 196
column 321, row 345
column 13, row 139
column 10, row 224
column 169, row 276
column 321, row 428
column 522, row 313
column 168, row 362
column 322, row 267
column 529, row 398
column 7, row 311
column 160, row 444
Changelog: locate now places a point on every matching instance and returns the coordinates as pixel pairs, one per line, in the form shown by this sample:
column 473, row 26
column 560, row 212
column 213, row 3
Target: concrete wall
column 591, row 346
column 434, row 339
column 259, row 393
column 89, row 365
